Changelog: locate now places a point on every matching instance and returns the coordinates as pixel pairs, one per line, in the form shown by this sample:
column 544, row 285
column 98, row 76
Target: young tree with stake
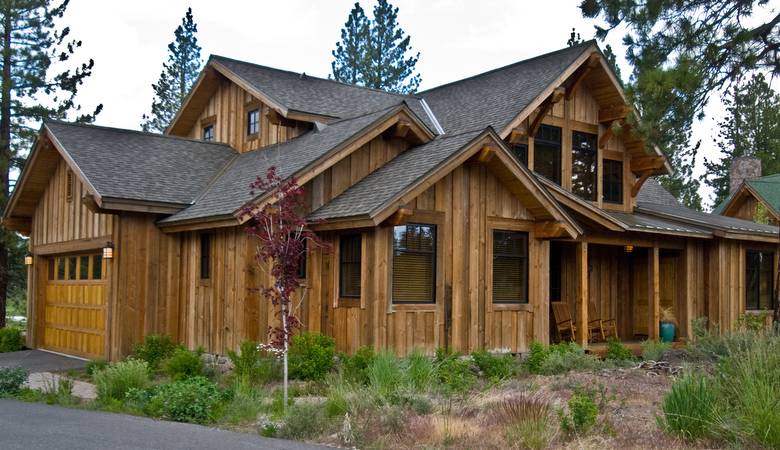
column 281, row 233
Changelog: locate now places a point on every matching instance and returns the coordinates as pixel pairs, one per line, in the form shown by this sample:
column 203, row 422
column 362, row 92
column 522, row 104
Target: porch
column 616, row 288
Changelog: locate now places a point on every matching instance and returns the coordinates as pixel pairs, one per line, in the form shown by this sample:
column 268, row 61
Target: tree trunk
column 5, row 157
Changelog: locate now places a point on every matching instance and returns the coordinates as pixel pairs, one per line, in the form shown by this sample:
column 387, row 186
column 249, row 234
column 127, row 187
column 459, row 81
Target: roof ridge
column 127, row 130
column 516, row 63
column 292, row 72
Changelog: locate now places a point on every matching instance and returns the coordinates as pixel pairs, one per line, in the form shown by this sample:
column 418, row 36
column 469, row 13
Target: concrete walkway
column 33, row 426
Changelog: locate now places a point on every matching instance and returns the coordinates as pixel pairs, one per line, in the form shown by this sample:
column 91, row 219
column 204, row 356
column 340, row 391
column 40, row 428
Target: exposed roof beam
column 614, row 112
column 556, row 96
column 646, row 163
column 639, row 182
column 399, row 217
column 582, row 72
column 548, row 230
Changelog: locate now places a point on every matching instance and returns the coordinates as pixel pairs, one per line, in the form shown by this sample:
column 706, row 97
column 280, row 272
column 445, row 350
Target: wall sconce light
column 628, row 248
column 28, row 259
column 108, row 250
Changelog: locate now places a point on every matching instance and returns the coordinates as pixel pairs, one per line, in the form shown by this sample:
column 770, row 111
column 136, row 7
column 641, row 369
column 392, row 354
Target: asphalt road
column 33, row 426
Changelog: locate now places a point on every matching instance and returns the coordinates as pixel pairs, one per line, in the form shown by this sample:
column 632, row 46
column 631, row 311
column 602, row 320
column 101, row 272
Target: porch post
column 582, row 293
column 689, row 287
column 654, row 292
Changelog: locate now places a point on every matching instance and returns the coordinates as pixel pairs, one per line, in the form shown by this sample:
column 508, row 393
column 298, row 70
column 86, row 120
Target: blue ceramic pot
column 667, row 332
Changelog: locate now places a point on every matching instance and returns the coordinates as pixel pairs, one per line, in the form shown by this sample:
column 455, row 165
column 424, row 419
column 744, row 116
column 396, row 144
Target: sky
column 128, row 41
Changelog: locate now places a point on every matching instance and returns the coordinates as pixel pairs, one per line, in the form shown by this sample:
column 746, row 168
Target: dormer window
column 583, row 165
column 547, row 153
column 253, row 122
column 208, row 133
column 612, row 182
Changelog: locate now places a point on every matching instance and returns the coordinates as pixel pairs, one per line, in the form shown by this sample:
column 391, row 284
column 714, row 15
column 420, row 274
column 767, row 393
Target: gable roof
column 495, row 97
column 765, row 189
column 653, row 192
column 719, row 224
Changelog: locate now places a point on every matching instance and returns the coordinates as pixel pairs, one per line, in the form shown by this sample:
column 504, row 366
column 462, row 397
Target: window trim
column 420, row 217
column 492, row 257
column 341, row 300
column 203, row 132
column 210, row 121
column 604, row 184
column 209, row 258
column 503, row 224
column 773, row 269
column 538, row 140
column 248, row 109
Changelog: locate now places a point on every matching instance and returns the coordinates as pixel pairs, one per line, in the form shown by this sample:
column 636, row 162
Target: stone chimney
column 743, row 168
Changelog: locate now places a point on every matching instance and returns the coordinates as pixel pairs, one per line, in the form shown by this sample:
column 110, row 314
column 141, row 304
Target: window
column 69, row 185
column 97, row 267
column 205, row 256
column 208, row 133
column 583, row 165
column 414, row 263
column 61, row 268
column 84, row 267
column 510, row 267
column 52, row 263
column 72, row 267
column 349, row 265
column 760, row 270
column 302, row 260
column 612, row 184
column 252, row 122
column 521, row 153
column 547, row 153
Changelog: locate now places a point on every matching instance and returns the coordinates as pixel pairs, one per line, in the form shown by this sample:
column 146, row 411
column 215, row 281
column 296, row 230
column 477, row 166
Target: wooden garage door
column 75, row 305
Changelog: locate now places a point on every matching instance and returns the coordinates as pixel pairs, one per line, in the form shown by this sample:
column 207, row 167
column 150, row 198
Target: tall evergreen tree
column 31, row 90
column 350, row 54
column 374, row 53
column 751, row 127
column 683, row 51
column 177, row 77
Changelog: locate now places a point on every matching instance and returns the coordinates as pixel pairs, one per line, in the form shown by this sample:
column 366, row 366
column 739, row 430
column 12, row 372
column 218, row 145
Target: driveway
column 32, row 426
column 40, row 361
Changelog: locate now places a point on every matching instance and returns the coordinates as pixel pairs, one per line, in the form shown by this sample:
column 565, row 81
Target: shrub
column 95, row 365
column 454, row 374
column 11, row 339
column 420, row 371
column 582, row 415
column 537, row 353
column 355, row 367
column 616, row 351
column 154, row 350
column 58, row 391
column 495, row 367
column 190, row 400
column 755, row 322
column 245, row 404
column 12, row 379
column 311, row 356
column 183, row 364
column 385, row 376
column 689, row 407
column 527, row 417
column 304, row 421
column 113, row 382
column 252, row 364
column 558, row 362
column 654, row 350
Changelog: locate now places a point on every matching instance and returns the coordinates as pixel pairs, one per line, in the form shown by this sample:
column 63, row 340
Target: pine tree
column 177, row 77
column 374, row 53
column 751, row 127
column 30, row 91
column 350, row 54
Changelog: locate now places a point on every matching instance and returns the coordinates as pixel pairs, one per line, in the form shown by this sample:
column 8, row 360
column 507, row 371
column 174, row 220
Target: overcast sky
column 128, row 41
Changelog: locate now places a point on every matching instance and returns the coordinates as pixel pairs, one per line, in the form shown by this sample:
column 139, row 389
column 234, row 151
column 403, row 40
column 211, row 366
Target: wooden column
column 582, row 293
column 654, row 292
column 689, row 289
column 540, row 288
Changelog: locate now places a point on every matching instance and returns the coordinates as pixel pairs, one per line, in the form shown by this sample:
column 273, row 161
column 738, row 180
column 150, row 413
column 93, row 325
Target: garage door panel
column 75, row 307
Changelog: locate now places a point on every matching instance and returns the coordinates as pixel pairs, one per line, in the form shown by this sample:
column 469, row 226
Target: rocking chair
column 564, row 323
column 603, row 328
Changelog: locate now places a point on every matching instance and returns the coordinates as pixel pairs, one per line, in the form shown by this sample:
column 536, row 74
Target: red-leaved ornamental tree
column 281, row 232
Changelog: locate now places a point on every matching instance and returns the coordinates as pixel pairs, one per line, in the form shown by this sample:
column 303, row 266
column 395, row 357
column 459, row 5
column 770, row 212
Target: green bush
column 355, row 367
column 113, row 382
column 305, row 421
column 253, row 365
column 537, row 353
column 244, row 405
column 689, row 407
column 582, row 415
column 183, row 364
column 528, row 420
column 616, row 351
column 654, row 350
column 558, row 362
column 95, row 365
column 420, row 371
column 386, row 377
column 311, row 356
column 193, row 400
column 58, row 391
column 154, row 350
column 495, row 367
column 11, row 339
column 454, row 374
column 12, row 379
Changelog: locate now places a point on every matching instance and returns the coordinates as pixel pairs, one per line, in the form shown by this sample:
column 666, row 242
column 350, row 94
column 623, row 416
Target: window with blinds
column 349, row 265
column 510, row 267
column 414, row 263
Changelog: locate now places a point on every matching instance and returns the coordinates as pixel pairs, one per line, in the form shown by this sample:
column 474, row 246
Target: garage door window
column 76, row 268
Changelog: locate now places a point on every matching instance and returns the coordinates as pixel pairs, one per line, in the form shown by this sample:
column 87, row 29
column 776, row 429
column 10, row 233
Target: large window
column 253, row 122
column 510, row 267
column 414, row 263
column 583, row 165
column 205, row 256
column 547, row 153
column 349, row 265
column 612, row 184
column 521, row 153
column 760, row 270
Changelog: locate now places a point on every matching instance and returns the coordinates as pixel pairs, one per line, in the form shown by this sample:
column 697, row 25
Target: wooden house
column 456, row 217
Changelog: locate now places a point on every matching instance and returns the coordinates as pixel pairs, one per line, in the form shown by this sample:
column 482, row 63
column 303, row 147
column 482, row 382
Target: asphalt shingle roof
column 133, row 165
column 494, row 98
column 230, row 191
column 706, row 220
column 384, row 184
column 305, row 93
column 647, row 223
column 767, row 187
column 653, row 192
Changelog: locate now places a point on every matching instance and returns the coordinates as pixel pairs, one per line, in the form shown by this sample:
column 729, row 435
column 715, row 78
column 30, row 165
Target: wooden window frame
column 503, row 224
column 208, row 258
column 538, row 140
column 64, row 260
column 772, row 272
column 248, row 109
column 69, row 185
column 604, row 163
column 303, row 261
column 210, row 121
column 421, row 218
column 595, row 151
column 349, row 302
column 492, row 258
